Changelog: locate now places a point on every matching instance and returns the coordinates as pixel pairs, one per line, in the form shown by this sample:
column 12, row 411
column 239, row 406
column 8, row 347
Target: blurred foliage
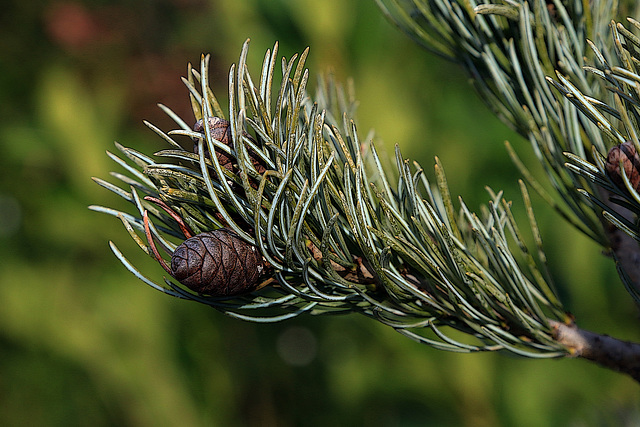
column 83, row 343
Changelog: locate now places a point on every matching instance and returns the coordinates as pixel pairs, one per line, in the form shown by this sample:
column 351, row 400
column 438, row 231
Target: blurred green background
column 82, row 342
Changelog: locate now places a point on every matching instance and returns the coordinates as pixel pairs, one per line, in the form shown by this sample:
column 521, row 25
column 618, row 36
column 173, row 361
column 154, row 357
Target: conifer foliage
column 278, row 206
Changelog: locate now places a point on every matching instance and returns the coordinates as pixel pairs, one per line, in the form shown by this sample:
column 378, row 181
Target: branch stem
column 612, row 353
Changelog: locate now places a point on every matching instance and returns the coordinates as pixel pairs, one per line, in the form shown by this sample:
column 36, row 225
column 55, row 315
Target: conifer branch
column 616, row 176
column 291, row 177
column 296, row 213
column 512, row 50
column 508, row 49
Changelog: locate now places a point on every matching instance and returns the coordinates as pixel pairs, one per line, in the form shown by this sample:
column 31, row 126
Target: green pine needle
column 340, row 234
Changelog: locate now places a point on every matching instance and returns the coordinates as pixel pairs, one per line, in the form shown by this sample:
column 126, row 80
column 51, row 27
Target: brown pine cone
column 625, row 152
column 217, row 263
column 221, row 130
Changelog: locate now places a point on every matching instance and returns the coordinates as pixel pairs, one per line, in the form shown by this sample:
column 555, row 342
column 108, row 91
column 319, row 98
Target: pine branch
column 617, row 177
column 292, row 180
column 508, row 49
column 280, row 208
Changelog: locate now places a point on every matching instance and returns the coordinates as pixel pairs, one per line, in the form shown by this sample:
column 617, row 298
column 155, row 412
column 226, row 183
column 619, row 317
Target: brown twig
column 612, row 353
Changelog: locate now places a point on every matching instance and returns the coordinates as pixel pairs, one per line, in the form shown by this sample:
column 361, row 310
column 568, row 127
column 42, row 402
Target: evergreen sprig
column 515, row 51
column 509, row 49
column 617, row 115
column 340, row 234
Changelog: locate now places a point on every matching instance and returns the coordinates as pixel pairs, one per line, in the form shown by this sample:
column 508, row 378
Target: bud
column 627, row 154
column 221, row 130
column 217, row 263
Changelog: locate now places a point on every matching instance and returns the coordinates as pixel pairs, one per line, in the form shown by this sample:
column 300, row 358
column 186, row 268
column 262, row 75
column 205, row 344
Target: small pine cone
column 625, row 152
column 217, row 263
column 221, row 130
